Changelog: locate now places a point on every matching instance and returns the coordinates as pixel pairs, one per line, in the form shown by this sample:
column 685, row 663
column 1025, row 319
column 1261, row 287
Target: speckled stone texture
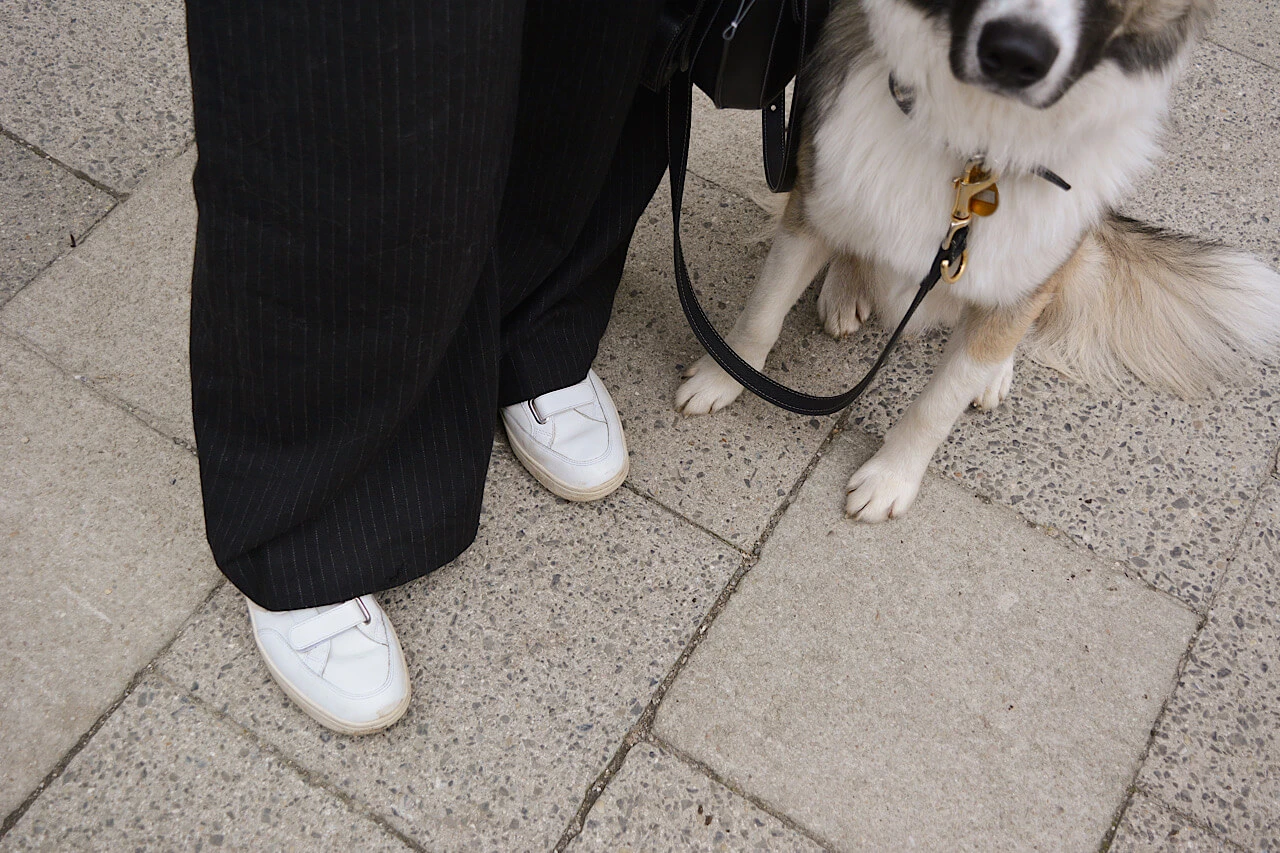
column 1250, row 28
column 101, row 85
column 102, row 557
column 165, row 774
column 1150, row 827
column 531, row 656
column 42, row 207
column 659, row 804
column 1216, row 753
column 114, row 310
column 955, row 680
column 1218, row 177
column 729, row 471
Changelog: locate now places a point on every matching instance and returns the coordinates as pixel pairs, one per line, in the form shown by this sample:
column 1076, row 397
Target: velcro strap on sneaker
column 555, row 402
column 327, row 625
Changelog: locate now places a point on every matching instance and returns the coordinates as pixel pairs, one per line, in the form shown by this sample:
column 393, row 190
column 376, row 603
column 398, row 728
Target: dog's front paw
column 841, row 308
column 997, row 389
column 707, row 388
column 880, row 490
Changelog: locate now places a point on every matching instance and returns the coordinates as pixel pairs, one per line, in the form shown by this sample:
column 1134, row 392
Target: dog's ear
column 1151, row 33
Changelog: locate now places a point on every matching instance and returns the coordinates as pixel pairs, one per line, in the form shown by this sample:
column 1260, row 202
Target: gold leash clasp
column 976, row 195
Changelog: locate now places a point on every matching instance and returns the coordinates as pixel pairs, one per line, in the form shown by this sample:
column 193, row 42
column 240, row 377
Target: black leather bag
column 742, row 54
column 749, row 52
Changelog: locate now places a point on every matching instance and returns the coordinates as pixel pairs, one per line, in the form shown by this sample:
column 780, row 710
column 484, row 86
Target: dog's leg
column 997, row 389
column 979, row 358
column 793, row 261
column 845, row 302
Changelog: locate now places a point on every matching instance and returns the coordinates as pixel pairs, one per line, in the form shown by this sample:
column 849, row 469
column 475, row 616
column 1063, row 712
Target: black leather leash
column 976, row 195
column 948, row 263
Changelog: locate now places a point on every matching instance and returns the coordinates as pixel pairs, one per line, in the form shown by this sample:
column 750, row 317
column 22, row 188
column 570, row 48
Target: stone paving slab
column 102, row 555
column 1150, row 827
column 102, row 85
column 531, row 656
column 957, row 680
column 1251, row 28
column 165, row 774
column 659, row 803
column 42, row 207
column 115, row 310
column 729, row 472
column 1216, row 753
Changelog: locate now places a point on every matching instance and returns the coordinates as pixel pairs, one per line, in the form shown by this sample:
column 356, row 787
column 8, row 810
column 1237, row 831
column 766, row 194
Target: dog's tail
column 1178, row 313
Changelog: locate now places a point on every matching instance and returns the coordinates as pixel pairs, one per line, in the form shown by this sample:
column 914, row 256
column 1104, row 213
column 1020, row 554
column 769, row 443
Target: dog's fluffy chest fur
column 881, row 186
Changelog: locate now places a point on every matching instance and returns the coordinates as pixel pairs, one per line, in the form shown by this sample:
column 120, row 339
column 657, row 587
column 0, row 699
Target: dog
column 901, row 95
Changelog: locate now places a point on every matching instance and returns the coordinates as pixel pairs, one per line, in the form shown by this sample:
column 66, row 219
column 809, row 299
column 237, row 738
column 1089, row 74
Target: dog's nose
column 1014, row 53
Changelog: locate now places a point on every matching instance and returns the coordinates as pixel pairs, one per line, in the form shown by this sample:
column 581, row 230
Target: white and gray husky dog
column 1075, row 87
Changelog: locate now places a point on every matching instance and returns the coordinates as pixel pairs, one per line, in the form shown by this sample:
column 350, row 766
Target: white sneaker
column 571, row 440
column 342, row 663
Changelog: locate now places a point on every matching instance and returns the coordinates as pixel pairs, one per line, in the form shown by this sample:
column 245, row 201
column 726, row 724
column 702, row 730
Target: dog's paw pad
column 997, row 389
column 708, row 389
column 877, row 492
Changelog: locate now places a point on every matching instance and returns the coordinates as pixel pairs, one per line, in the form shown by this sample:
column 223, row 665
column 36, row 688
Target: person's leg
column 345, row 315
column 550, row 337
column 587, row 160
column 353, row 160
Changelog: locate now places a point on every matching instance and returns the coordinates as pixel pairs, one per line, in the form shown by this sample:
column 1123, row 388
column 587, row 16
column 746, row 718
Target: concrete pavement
column 1072, row 643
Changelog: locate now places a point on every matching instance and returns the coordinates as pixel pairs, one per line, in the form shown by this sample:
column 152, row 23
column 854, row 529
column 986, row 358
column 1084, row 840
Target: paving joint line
column 714, row 184
column 135, row 412
column 670, row 510
column 11, row 820
column 643, row 726
column 1234, row 553
column 306, row 776
column 1243, row 56
column 1183, row 662
column 76, row 243
column 1189, row 819
column 1237, row 546
column 764, row 806
column 1056, row 534
column 118, row 195
column 1117, row 817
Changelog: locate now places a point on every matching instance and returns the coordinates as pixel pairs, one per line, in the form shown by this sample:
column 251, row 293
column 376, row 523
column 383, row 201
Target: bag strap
column 949, row 257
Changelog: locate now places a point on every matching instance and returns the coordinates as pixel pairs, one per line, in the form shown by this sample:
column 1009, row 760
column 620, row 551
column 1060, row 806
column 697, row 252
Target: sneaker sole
column 328, row 720
column 562, row 489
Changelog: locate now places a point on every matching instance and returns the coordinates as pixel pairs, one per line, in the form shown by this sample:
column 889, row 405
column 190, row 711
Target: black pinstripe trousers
column 411, row 213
